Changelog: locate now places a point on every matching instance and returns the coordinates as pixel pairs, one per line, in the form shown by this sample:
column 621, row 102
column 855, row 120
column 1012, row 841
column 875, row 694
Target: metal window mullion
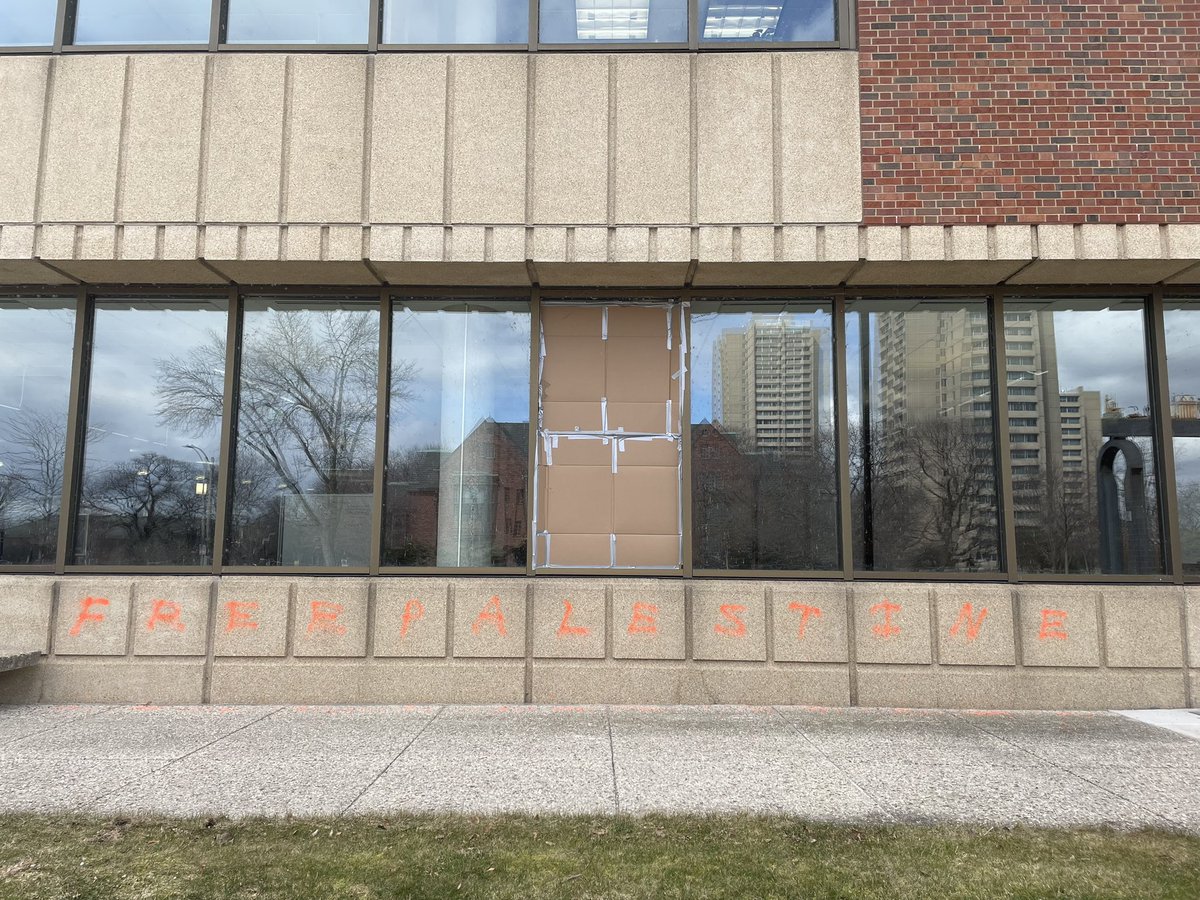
column 1164, row 435
column 685, row 438
column 229, row 416
column 694, row 24
column 214, row 25
column 68, row 501
column 535, row 345
column 383, row 411
column 375, row 26
column 842, row 437
column 846, row 37
column 1003, row 456
column 64, row 24
column 534, row 36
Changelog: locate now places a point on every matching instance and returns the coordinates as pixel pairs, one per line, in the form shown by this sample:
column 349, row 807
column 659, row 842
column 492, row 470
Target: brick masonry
column 1029, row 111
column 268, row 639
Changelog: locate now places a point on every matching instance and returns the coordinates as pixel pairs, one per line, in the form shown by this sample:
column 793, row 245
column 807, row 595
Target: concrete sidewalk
column 826, row 764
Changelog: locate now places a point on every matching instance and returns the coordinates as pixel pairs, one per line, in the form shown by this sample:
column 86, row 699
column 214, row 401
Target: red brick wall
column 1027, row 111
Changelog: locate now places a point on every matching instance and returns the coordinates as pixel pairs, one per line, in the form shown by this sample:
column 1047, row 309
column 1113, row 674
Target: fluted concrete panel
column 160, row 177
column 408, row 139
column 23, row 87
column 651, row 182
column 735, row 147
column 83, row 139
column 570, row 145
column 488, row 152
column 325, row 138
column 245, row 138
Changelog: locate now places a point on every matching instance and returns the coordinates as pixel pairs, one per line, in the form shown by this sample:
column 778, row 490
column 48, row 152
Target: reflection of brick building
column 463, row 507
column 723, row 484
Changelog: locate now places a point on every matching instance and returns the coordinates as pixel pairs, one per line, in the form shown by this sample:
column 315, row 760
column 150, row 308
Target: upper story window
column 426, row 24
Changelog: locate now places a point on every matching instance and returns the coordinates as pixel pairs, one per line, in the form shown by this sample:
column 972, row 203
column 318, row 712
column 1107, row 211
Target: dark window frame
column 845, row 19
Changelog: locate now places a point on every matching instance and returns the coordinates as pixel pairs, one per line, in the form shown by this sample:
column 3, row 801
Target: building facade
column 820, row 352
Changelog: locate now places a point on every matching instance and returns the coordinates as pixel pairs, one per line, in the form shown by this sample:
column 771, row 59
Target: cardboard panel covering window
column 609, row 457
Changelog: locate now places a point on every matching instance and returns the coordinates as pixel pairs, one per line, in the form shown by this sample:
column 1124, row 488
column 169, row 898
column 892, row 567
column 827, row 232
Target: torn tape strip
column 604, row 323
column 613, row 554
column 614, row 457
column 669, row 417
column 670, row 315
column 604, row 414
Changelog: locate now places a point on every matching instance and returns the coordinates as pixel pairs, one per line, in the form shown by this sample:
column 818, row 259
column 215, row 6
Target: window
column 147, row 491
column 607, row 21
column 142, row 21
column 298, row 22
column 305, row 450
column 763, row 497
column 27, row 23
column 780, row 21
column 456, row 22
column 922, row 492
column 36, row 341
column 1183, row 368
column 1094, row 357
column 458, row 435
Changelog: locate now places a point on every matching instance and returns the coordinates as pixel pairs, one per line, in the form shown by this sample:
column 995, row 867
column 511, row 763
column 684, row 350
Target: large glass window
column 298, row 22
column 599, row 21
column 1083, row 474
column 922, row 451
column 27, row 23
column 36, row 337
column 456, row 22
column 151, row 445
column 1183, row 365
column 764, row 470
column 305, row 453
column 458, row 438
column 795, row 21
column 143, row 21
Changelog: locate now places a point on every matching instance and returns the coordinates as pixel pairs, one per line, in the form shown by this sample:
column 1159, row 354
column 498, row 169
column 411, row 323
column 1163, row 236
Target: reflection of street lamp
column 202, row 490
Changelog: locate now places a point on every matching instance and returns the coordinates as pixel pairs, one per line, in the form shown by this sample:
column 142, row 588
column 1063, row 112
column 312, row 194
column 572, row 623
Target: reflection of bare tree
column 306, row 408
column 31, row 482
column 1057, row 522
column 1189, row 524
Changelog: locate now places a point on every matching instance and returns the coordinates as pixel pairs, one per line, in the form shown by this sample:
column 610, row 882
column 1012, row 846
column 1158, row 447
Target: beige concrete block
column 716, row 244
column 444, row 681
column 21, row 685
column 674, row 244
column 23, row 87
column 265, row 242
column 569, row 682
column 245, row 138
column 568, row 618
column 96, row 242
column 1143, row 241
column 56, row 242
column 489, row 618
column 386, row 243
column 840, row 243
column 798, row 243
column 325, row 149
column 331, row 617
column 891, row 623
column 756, row 244
column 819, row 133
column 252, row 616
column 969, row 242
column 549, row 244
column 591, row 245
column 648, row 619
column 729, row 620
column 975, row 625
column 570, row 144
column 927, row 242
column 508, row 244
column 1014, row 242
column 652, row 181
column 83, row 134
column 25, row 612
column 1099, row 242
column 344, row 243
column 170, row 682
column 1056, row 241
column 1193, row 625
column 1142, row 626
column 138, row 242
column 1060, row 625
column 467, row 243
column 883, row 243
column 408, row 138
column 977, row 688
column 810, row 622
column 300, row 243
column 161, row 171
column 1184, row 241
column 93, row 617
column 181, row 242
column 220, row 242
column 170, row 616
column 17, row 241
column 1050, row 689
column 911, row 687
column 427, row 243
column 487, row 174
column 410, row 616
column 631, row 245
column 735, row 147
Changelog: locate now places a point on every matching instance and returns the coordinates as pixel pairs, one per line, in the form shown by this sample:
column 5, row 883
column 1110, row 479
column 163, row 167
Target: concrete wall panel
column 1060, row 625
column 489, row 619
column 1142, row 627
column 570, row 144
column 83, row 139
column 23, row 87
column 252, row 616
column 408, row 139
column 810, row 623
column 331, row 617
column 25, row 614
column 569, row 618
column 162, row 141
column 410, row 617
column 93, row 617
column 891, row 623
column 325, row 138
column 245, row 138
column 729, row 621
column 170, row 616
column 735, row 144
column 975, row 625
column 651, row 181
column 648, row 620
column 176, row 681
column 487, row 158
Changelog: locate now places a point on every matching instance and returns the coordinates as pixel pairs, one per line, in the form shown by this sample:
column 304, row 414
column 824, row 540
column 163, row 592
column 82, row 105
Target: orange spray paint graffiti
column 644, row 620
column 237, row 616
column 806, row 612
column 492, row 614
column 324, row 618
column 886, row 628
column 1054, row 625
column 166, row 613
column 566, row 629
column 732, row 612
column 964, row 618
column 86, row 615
column 413, row 610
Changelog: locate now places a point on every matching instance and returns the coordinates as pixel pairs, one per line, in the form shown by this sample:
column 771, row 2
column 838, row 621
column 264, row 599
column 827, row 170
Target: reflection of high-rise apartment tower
column 767, row 383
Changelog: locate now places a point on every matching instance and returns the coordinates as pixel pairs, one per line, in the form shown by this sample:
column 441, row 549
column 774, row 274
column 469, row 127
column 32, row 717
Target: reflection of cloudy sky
column 27, row 23
column 122, row 406
column 456, row 22
column 1103, row 351
column 35, row 364
column 466, row 367
column 1183, row 363
column 791, row 20
column 143, row 21
column 298, row 21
